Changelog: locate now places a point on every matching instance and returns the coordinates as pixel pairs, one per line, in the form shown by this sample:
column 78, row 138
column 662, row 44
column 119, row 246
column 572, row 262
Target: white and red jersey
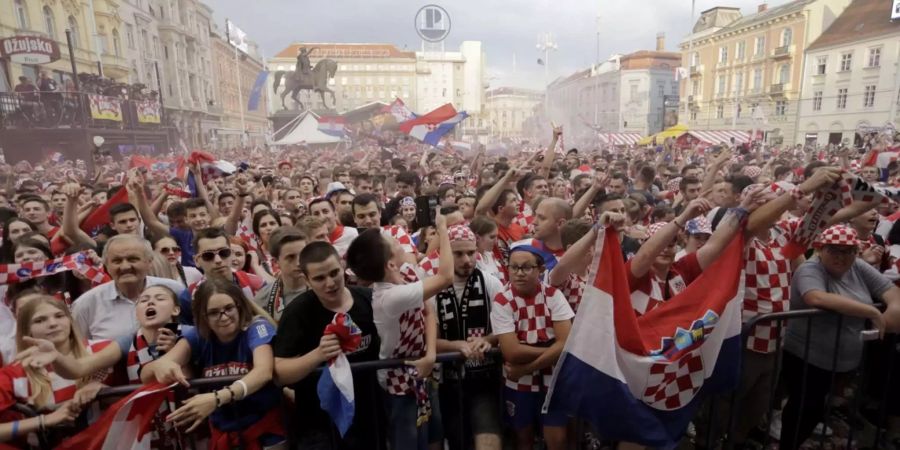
column 16, row 388
column 767, row 278
column 573, row 290
column 531, row 319
column 341, row 237
column 399, row 233
column 525, row 218
column 651, row 291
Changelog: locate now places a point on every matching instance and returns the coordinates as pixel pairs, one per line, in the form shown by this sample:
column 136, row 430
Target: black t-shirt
column 299, row 332
column 630, row 247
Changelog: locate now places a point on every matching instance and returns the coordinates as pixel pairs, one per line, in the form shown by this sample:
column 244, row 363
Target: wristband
column 230, row 392
column 797, row 193
column 675, row 221
column 15, row 429
column 244, row 387
column 218, row 402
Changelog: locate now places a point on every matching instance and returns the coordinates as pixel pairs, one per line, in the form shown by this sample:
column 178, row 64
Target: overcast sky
column 508, row 28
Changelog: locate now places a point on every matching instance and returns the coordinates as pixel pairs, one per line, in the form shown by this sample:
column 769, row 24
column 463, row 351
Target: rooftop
column 862, row 20
column 346, row 50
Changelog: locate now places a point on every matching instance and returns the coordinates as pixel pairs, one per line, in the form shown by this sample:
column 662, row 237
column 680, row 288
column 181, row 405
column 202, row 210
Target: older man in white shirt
column 108, row 311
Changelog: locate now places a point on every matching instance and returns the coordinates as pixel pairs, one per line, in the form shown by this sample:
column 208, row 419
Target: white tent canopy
column 306, row 131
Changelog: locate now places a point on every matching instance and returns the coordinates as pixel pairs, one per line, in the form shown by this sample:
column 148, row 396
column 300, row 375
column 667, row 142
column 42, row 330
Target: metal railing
column 29, row 110
column 707, row 422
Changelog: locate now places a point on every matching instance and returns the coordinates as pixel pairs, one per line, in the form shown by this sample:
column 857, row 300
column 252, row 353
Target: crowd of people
column 426, row 252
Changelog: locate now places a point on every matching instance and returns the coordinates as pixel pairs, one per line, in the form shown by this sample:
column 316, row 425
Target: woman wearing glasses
column 170, row 255
column 232, row 337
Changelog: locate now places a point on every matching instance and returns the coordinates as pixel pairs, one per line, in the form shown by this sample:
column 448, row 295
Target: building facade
column 232, row 69
column 851, row 79
column 451, row 77
column 622, row 94
column 508, row 111
column 744, row 72
column 94, row 37
column 366, row 73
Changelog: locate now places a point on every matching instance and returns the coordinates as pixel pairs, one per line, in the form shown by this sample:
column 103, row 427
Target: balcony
column 782, row 52
column 74, row 110
column 776, row 90
column 696, row 71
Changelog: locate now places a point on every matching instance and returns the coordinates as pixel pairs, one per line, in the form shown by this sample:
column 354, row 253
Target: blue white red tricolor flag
column 210, row 168
column 641, row 379
column 126, row 425
column 332, row 125
column 335, row 386
column 431, row 127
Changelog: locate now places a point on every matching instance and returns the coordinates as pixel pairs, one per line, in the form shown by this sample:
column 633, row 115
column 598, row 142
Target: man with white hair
column 107, row 311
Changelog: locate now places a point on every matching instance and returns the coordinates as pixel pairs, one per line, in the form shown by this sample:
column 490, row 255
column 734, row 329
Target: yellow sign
column 105, row 108
column 148, row 111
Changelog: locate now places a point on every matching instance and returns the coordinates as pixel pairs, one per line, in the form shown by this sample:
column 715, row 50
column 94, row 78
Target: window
column 695, row 59
column 869, row 96
column 738, row 83
column 781, row 107
column 760, row 46
column 757, row 80
column 786, row 37
column 73, row 27
column 662, row 89
column 633, row 92
column 695, row 87
column 720, row 85
column 49, row 22
column 874, row 57
column 723, row 55
column 145, row 41
column 846, row 62
column 117, row 43
column 821, row 64
column 842, row 98
column 693, row 114
column 817, row 101
column 739, row 51
column 129, row 35
column 720, row 112
column 21, row 14
column 784, row 74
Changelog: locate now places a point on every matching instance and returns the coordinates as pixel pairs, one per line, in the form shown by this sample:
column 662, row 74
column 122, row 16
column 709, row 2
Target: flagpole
column 237, row 76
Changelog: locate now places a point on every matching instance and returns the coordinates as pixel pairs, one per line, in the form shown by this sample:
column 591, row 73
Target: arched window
column 786, row 37
column 76, row 34
column 49, row 22
column 21, row 14
column 785, row 73
column 117, row 43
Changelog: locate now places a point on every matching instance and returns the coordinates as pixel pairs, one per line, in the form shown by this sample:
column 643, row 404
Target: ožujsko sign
column 29, row 49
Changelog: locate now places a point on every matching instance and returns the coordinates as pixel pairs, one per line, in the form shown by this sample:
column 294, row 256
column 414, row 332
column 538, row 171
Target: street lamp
column 546, row 45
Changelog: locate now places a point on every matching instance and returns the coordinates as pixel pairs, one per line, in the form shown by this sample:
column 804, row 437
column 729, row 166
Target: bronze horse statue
column 316, row 80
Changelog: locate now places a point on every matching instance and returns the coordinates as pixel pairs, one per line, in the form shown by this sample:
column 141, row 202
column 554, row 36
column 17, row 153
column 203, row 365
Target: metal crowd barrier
column 710, row 439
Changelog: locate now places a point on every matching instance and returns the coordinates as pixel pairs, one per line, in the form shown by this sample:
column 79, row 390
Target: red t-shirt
column 649, row 291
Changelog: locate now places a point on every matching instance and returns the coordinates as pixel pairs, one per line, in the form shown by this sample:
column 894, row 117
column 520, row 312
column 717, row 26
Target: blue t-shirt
column 185, row 240
column 215, row 359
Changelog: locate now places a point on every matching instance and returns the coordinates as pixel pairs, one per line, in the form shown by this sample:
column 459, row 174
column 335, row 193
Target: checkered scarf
column 827, row 202
column 79, row 262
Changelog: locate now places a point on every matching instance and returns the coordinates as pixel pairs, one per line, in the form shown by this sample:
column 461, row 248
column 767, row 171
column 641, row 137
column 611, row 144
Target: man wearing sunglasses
column 213, row 258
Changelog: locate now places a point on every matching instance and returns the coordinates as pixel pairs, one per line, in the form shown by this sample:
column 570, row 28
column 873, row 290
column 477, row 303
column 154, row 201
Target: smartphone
column 426, row 209
column 173, row 327
column 869, row 335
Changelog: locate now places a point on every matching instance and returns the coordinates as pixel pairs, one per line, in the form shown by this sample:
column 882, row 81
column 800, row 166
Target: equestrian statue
column 306, row 78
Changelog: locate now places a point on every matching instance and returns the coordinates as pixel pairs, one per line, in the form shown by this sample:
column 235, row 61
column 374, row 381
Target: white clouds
column 505, row 27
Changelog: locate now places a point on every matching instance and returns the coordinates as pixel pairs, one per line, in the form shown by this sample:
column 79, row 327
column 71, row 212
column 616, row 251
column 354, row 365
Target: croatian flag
column 641, row 379
column 210, row 168
column 431, row 127
column 400, row 111
column 882, row 160
column 335, row 386
column 332, row 125
column 126, row 425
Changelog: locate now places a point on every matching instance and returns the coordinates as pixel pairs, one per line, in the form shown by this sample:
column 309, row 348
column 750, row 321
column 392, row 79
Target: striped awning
column 619, row 138
column 721, row 136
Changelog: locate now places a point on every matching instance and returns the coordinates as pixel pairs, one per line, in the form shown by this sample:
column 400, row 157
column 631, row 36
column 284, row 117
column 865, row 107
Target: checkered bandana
column 837, row 235
column 698, row 225
column 672, row 185
column 752, row 171
column 780, row 187
column 461, row 233
column 654, row 228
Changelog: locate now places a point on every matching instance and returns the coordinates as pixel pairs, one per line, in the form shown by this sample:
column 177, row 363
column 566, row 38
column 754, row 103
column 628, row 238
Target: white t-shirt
column 489, row 265
column 389, row 302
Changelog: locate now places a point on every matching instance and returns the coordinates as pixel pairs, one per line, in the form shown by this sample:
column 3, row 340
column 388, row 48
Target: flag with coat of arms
column 642, row 379
column 431, row 127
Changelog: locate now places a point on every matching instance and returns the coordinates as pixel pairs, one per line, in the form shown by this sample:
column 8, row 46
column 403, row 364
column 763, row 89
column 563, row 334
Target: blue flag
column 256, row 92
